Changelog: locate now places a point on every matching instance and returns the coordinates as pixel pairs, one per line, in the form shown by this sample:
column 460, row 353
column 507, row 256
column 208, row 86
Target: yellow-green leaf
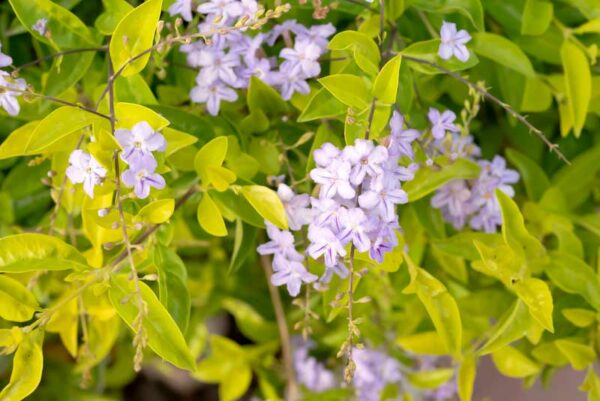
column 502, row 51
column 578, row 80
column 512, row 363
column 27, row 369
column 134, row 35
column 18, row 303
column 426, row 343
column 349, row 89
column 208, row 163
column 430, row 379
column 115, row 10
column 16, row 143
column 579, row 317
column 22, row 253
column 537, row 16
column 177, row 140
column 385, row 87
column 579, row 355
column 129, row 114
column 536, row 295
column 157, row 212
column 266, row 202
column 465, row 379
column 164, row 337
column 210, row 217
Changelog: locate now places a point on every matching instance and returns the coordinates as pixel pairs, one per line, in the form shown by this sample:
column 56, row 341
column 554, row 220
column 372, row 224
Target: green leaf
column 208, row 163
column 244, row 244
column 172, row 285
column 238, row 206
column 430, row 379
column 471, row 9
column 579, row 317
column 16, row 143
column 28, row 364
column 537, row 16
column 513, row 325
column 348, row 89
column 266, row 202
column 549, row 354
column 426, row 343
column 157, row 212
column 251, row 323
column 210, row 217
column 574, row 276
column 114, row 11
column 577, row 180
column 578, row 80
column 30, row 252
column 67, row 71
column 385, row 87
column 133, row 35
column 322, row 105
column 515, row 233
column 164, row 337
column 428, row 50
column 462, row 244
column 579, row 355
column 591, row 384
column 535, row 179
column 592, row 26
column 66, row 30
column 440, row 305
column 502, row 51
column 18, row 303
column 465, row 379
column 537, row 96
column 512, row 363
column 428, row 180
column 536, row 295
column 134, row 89
column 262, row 97
column 177, row 140
column 129, row 114
column 363, row 49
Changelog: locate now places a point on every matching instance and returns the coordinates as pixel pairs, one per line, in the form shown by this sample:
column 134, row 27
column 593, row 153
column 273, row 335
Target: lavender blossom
column 334, row 180
column 212, row 95
column 83, row 168
column 281, row 245
column 5, row 60
column 303, row 58
column 441, row 122
column 296, row 207
column 366, row 159
column 324, row 243
column 141, row 177
column 183, row 8
column 453, row 42
column 354, row 228
column 311, row 373
column 221, row 8
column 139, row 142
column 41, row 26
column 217, row 65
column 453, row 199
column 292, row 274
column 10, row 89
column 374, row 370
column 327, row 153
column 384, row 199
column 400, row 139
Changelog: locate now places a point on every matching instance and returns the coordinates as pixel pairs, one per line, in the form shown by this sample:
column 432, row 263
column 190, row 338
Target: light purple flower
column 366, row 159
column 354, row 228
column 374, row 370
column 141, row 177
column 334, row 180
column 292, row 274
column 83, row 168
column 249, row 8
column 317, row 34
column 385, row 200
column 454, row 196
column 311, row 373
column 284, row 28
column 453, row 42
column 5, row 60
column 41, row 26
column 324, row 242
column 216, row 65
column 290, row 81
column 441, row 122
column 339, row 270
column 8, row 97
column 223, row 8
column 139, row 142
column 326, row 212
column 183, row 8
column 327, row 153
column 302, row 58
column 212, row 95
column 400, row 140
column 281, row 244
column 296, row 207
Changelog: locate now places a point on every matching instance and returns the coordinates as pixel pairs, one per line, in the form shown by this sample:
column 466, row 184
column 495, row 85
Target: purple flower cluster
column 374, row 370
column 311, row 373
column 138, row 145
column 10, row 88
column 228, row 61
column 469, row 201
column 359, row 188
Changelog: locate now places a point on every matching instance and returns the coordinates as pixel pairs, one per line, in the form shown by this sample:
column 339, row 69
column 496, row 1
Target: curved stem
column 59, row 54
column 552, row 146
column 291, row 389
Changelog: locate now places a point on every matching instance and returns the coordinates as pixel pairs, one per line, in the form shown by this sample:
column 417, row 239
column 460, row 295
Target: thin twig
column 59, row 54
column 291, row 389
column 552, row 146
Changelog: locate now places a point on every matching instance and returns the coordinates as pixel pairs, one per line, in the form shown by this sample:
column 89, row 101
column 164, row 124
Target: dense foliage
column 314, row 200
